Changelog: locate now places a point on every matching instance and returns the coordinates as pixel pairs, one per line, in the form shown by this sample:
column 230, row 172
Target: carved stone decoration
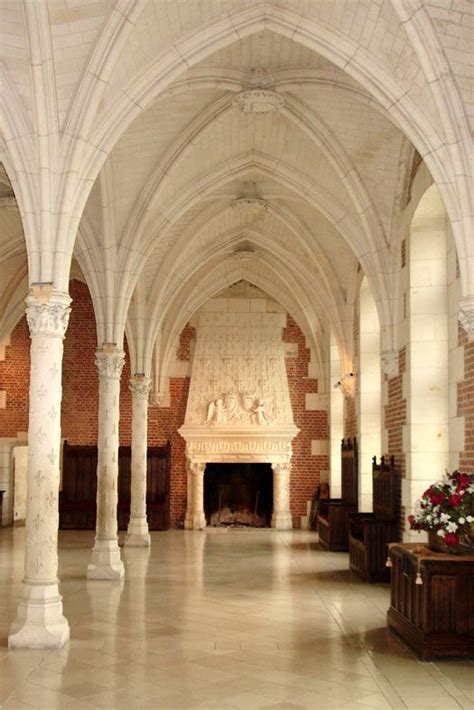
column 248, row 205
column 106, row 562
column 258, row 101
column 466, row 315
column 156, row 399
column 235, row 408
column 51, row 318
column 137, row 532
column 40, row 622
column 348, row 386
column 110, row 364
column 389, row 361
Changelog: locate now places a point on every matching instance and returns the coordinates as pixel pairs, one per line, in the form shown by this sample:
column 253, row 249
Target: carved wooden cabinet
column 435, row 618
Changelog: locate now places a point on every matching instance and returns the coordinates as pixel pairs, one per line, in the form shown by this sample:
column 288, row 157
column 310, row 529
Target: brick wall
column 14, row 374
column 306, row 469
column 466, row 403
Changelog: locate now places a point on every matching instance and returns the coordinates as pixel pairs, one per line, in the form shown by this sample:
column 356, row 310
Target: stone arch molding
column 140, row 92
column 253, row 269
column 373, row 261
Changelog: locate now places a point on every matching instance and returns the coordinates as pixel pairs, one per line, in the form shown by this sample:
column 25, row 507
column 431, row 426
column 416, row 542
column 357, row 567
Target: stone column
column 106, row 562
column 281, row 518
column 40, row 622
column 188, row 520
column 137, row 533
column 197, row 519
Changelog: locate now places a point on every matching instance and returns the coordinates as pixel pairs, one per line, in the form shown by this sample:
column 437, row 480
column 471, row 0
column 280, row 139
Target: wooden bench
column 370, row 533
column 333, row 514
column 77, row 499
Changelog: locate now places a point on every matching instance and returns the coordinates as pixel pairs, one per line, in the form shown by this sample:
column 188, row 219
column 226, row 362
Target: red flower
column 411, row 519
column 455, row 500
column 436, row 498
column 464, row 480
column 451, row 539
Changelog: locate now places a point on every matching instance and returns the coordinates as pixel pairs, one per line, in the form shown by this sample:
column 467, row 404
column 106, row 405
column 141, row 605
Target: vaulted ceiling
column 188, row 194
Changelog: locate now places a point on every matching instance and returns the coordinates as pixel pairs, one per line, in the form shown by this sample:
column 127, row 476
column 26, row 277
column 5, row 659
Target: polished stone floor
column 220, row 620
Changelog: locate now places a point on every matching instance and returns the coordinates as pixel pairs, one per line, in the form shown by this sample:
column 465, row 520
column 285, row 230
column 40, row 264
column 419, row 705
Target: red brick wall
column 14, row 375
column 466, row 403
column 306, row 469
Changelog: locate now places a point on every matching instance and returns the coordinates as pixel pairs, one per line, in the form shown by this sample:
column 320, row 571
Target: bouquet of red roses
column 447, row 508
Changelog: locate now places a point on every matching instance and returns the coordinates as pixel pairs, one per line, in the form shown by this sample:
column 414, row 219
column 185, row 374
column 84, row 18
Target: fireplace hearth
column 238, row 494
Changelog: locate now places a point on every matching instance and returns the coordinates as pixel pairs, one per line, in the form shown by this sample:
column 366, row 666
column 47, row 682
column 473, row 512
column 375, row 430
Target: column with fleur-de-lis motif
column 40, row 622
column 137, row 532
column 281, row 518
column 106, row 562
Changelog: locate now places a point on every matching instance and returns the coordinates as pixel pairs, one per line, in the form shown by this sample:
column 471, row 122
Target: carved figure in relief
column 216, row 412
column 259, row 415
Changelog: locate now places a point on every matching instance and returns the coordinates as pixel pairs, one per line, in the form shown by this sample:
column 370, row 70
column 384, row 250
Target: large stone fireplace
column 238, row 408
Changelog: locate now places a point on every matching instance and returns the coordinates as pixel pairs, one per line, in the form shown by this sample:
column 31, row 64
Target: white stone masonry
column 137, row 532
column 40, row 622
column 106, row 562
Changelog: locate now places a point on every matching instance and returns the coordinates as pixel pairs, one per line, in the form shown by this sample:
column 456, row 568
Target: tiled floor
column 220, row 620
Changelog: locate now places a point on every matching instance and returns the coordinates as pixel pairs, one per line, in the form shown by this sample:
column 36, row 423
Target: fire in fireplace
column 238, row 494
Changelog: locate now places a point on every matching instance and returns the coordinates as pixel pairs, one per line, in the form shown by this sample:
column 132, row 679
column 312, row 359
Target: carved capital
column 281, row 469
column 389, row 361
column 348, row 386
column 156, row 399
column 196, row 468
column 110, row 364
column 49, row 318
column 140, row 386
column 466, row 315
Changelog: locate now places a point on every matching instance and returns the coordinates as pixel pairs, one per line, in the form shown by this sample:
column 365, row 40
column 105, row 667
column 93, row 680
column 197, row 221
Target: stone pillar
column 197, row 519
column 106, row 562
column 281, row 518
column 188, row 520
column 40, row 622
column 137, row 533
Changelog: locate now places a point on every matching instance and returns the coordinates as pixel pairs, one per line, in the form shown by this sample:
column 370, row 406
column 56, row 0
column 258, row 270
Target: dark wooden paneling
column 77, row 500
column 333, row 514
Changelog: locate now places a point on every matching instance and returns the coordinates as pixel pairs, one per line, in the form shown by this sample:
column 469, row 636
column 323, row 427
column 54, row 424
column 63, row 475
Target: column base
column 195, row 522
column 282, row 521
column 106, row 562
column 40, row 622
column 137, row 533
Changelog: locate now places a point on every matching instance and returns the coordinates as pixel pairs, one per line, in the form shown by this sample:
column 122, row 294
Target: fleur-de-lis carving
column 53, row 413
column 42, row 391
column 40, row 435
column 52, row 456
column 51, row 500
column 37, row 521
column 43, row 348
column 38, row 565
column 39, row 479
column 54, row 369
